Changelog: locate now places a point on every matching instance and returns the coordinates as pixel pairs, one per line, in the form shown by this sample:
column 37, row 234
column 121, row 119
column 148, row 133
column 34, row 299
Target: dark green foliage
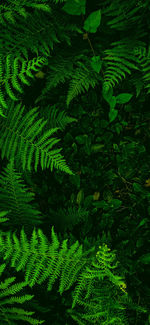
column 84, row 62
column 56, row 119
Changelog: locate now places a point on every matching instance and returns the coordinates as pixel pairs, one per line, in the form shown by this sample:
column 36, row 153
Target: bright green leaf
column 92, row 22
column 113, row 114
column 123, row 98
column 75, row 7
column 96, row 63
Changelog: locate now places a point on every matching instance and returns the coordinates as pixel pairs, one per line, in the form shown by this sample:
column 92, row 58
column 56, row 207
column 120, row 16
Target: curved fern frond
column 15, row 196
column 83, row 78
column 143, row 56
column 60, row 70
column 22, row 139
column 97, row 292
column 125, row 14
column 17, row 71
column 118, row 65
column 57, row 118
column 8, row 298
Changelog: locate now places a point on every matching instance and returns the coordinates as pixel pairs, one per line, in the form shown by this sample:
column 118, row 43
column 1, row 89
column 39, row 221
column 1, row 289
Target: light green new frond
column 107, row 262
column 22, row 140
column 97, row 291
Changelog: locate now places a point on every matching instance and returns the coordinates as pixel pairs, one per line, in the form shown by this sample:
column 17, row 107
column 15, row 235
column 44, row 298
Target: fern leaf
column 97, row 287
column 2, row 216
column 8, row 290
column 17, row 69
column 56, row 118
column 15, row 196
column 143, row 56
column 82, row 79
column 65, row 279
column 118, row 63
column 23, row 142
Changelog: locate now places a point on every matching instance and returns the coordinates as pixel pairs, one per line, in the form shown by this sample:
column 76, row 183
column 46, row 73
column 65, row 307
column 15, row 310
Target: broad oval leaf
column 123, row 98
column 92, row 22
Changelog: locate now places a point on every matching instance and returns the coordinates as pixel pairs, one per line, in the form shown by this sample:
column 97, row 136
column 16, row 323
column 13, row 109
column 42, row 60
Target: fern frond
column 42, row 260
column 60, row 69
column 2, row 216
column 118, row 64
column 22, row 140
column 68, row 218
column 17, row 71
column 57, row 118
column 82, row 79
column 143, row 56
column 95, row 291
column 34, row 34
column 69, row 267
column 9, row 12
column 99, row 291
column 8, row 314
column 125, row 14
column 15, row 196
